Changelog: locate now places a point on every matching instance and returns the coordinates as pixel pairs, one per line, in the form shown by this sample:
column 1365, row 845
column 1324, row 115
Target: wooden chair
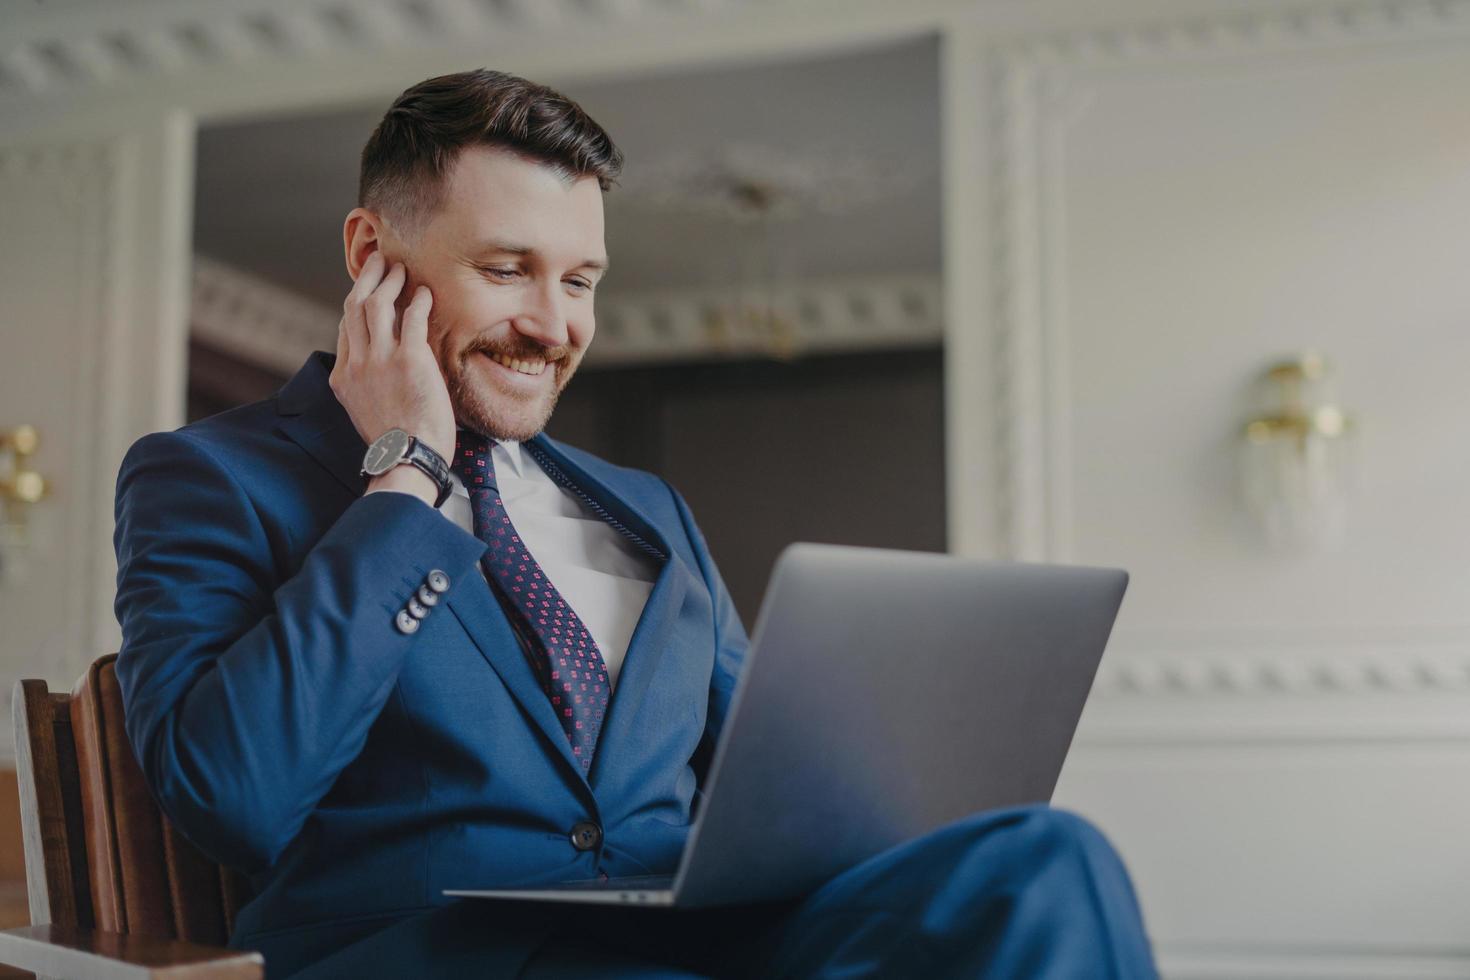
column 114, row 890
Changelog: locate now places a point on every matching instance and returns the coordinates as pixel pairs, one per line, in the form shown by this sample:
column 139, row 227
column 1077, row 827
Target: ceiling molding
column 260, row 323
column 1225, row 32
column 254, row 320
column 223, row 57
column 88, row 47
column 838, row 315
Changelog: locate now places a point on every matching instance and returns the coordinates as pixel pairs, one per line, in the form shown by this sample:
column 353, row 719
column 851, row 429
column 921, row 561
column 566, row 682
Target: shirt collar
column 511, row 451
column 504, row 452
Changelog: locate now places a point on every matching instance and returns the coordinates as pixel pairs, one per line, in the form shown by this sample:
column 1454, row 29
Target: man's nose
column 542, row 318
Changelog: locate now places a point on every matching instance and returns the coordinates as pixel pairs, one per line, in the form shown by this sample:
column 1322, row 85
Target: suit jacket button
column 586, row 835
column 437, row 581
column 416, row 609
column 427, row 596
column 405, row 622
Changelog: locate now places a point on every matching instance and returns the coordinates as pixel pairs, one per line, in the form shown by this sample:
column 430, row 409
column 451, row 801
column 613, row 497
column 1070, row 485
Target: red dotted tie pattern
column 569, row 664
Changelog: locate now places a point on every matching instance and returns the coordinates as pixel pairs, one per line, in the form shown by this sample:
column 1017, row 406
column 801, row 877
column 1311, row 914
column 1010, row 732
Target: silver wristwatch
column 396, row 447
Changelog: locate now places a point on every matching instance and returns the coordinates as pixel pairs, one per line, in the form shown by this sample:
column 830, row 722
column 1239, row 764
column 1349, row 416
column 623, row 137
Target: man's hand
column 387, row 377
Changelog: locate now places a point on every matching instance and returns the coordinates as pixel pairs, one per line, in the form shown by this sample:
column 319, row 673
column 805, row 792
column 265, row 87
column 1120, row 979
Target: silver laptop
column 885, row 693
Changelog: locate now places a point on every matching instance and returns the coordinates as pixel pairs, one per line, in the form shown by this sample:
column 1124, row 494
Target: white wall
column 94, row 274
column 1279, row 745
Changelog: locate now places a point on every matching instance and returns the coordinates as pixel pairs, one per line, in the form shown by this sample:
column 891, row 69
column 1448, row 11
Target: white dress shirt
column 598, row 571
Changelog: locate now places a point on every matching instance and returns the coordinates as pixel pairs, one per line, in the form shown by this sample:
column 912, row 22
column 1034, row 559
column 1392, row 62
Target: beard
column 483, row 406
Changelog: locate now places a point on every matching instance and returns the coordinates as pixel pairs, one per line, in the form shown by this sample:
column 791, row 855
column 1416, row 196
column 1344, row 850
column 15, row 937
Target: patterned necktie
column 566, row 658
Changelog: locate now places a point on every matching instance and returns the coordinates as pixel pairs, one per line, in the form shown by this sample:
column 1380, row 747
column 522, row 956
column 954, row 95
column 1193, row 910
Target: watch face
column 386, row 451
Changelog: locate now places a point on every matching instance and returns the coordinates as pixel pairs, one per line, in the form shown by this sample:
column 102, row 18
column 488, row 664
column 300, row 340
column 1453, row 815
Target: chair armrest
column 86, row 954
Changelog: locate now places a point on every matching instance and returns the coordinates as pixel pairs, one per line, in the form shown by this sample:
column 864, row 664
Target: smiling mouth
column 528, row 366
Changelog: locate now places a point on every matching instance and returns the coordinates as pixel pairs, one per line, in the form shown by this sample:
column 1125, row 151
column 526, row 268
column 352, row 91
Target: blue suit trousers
column 1028, row 892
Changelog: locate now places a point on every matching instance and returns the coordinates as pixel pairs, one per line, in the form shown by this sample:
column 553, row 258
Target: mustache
column 548, row 354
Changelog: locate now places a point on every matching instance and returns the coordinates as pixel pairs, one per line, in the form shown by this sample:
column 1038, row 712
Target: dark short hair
column 406, row 160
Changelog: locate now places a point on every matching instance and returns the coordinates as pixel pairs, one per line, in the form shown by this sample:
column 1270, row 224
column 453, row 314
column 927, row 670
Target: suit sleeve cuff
column 404, row 539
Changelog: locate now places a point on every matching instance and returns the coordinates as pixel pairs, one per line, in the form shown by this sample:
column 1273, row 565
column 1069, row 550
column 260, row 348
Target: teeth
column 516, row 364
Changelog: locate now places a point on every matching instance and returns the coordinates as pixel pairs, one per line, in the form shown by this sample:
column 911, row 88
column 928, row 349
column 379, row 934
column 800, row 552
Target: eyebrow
column 512, row 248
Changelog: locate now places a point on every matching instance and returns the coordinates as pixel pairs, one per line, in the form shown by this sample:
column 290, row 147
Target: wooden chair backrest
column 99, row 852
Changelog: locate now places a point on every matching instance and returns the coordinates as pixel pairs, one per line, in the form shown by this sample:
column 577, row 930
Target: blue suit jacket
column 290, row 730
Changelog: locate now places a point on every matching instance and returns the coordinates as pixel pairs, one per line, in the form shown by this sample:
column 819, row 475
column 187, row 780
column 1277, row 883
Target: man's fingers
column 354, row 321
column 381, row 311
column 368, row 278
column 353, row 336
column 416, row 317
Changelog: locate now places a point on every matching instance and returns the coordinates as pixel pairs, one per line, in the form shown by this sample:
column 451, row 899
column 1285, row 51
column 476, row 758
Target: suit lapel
column 312, row 416
column 651, row 635
column 489, row 627
column 645, row 649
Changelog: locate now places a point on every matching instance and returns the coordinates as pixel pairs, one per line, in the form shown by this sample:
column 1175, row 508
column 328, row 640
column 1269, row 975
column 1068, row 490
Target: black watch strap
column 434, row 465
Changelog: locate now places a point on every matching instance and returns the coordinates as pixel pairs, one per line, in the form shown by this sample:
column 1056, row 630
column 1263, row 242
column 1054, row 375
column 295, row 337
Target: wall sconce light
column 1297, row 457
column 20, row 487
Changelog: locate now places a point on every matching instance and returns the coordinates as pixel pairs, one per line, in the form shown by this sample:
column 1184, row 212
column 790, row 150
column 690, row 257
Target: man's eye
column 503, row 274
column 582, row 283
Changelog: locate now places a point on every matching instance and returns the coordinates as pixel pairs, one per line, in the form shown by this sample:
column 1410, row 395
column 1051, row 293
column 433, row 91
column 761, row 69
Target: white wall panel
column 1340, row 850
column 1216, row 220
column 95, row 284
column 1278, row 744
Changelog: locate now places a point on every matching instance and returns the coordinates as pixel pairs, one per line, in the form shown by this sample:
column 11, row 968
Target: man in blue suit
column 332, row 682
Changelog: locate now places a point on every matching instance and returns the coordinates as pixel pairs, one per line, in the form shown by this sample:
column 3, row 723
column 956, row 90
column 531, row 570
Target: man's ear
column 362, row 235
